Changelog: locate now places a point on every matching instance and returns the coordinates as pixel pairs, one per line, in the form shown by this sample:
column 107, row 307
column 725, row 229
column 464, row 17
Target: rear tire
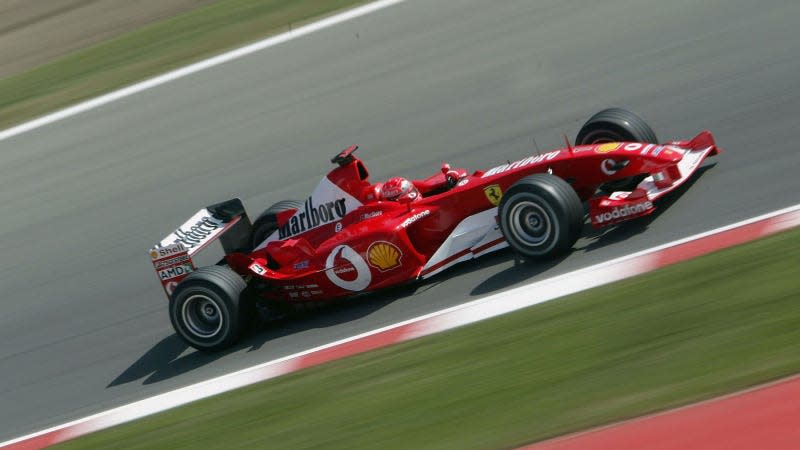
column 616, row 125
column 541, row 216
column 207, row 309
column 267, row 222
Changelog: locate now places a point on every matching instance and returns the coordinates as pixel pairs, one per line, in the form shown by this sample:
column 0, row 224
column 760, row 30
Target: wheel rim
column 530, row 223
column 202, row 316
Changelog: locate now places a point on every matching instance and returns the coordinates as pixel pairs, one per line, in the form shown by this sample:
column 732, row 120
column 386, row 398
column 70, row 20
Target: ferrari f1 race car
column 352, row 236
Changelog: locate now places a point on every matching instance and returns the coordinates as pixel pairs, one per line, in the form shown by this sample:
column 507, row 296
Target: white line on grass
column 196, row 67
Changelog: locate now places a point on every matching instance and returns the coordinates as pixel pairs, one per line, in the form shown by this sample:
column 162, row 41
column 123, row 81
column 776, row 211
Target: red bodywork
column 352, row 241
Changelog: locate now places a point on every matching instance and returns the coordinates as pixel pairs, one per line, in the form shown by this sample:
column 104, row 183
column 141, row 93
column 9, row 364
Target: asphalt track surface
column 84, row 324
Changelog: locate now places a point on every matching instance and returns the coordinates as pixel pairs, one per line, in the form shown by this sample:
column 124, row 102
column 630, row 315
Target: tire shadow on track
column 518, row 273
column 169, row 357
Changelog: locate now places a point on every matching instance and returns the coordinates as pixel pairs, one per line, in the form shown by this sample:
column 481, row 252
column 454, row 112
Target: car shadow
column 163, row 354
column 522, row 270
column 169, row 357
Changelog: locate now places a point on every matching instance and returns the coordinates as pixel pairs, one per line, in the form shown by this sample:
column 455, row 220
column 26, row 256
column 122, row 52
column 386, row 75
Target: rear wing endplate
column 226, row 221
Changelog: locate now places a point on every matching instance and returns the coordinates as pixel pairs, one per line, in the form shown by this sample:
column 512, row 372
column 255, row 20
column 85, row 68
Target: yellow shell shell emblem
column 153, row 254
column 384, row 255
column 607, row 147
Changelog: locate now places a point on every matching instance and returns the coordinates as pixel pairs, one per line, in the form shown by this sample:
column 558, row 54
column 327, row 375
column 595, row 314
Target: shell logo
column 607, row 147
column 153, row 254
column 384, row 255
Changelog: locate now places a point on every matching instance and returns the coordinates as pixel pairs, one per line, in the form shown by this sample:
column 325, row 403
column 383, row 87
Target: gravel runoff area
column 34, row 32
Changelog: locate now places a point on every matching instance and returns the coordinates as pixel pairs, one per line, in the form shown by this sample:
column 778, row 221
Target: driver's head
column 399, row 189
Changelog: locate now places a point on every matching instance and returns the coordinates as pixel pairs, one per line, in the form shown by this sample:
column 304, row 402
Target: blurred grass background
column 688, row 332
column 152, row 50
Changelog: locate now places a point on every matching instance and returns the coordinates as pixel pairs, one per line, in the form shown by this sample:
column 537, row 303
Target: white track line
column 196, row 67
column 481, row 309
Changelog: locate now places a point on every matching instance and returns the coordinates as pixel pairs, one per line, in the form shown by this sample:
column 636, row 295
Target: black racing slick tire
column 207, row 310
column 615, row 125
column 267, row 222
column 541, row 216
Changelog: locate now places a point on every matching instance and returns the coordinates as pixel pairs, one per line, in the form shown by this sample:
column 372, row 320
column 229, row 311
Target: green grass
column 691, row 331
column 152, row 50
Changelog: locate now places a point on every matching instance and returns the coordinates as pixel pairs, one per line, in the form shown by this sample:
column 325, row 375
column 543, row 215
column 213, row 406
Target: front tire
column 207, row 310
column 541, row 216
column 616, row 125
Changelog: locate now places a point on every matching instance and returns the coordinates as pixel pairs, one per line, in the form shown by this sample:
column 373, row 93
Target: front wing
column 620, row 206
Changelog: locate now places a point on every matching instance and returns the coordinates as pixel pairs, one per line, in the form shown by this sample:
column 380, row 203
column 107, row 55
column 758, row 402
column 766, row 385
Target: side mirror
column 450, row 176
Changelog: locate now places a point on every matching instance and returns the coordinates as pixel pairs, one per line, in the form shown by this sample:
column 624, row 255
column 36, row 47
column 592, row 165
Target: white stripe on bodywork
column 474, row 231
column 326, row 191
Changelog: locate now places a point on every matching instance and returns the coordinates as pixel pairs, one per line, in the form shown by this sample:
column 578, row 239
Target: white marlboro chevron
column 326, row 205
column 467, row 313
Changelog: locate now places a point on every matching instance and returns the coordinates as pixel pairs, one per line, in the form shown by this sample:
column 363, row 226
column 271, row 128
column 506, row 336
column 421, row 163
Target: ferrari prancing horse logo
column 493, row 193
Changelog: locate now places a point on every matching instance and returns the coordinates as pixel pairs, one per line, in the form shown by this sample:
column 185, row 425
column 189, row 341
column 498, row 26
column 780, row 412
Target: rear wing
column 226, row 221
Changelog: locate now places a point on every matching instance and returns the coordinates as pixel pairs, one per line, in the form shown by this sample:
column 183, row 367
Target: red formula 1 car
column 352, row 236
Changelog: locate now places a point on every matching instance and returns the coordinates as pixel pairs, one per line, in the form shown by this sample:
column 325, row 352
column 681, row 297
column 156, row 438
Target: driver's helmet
column 399, row 189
